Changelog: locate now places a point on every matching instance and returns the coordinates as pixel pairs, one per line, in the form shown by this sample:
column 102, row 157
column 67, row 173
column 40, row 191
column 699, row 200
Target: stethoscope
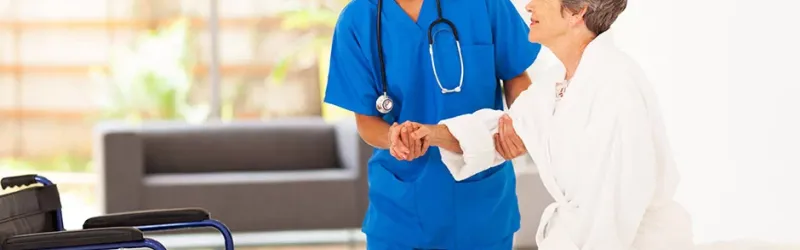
column 384, row 104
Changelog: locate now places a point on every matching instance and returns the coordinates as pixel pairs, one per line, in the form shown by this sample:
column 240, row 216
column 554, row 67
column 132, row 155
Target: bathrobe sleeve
column 474, row 133
column 624, row 153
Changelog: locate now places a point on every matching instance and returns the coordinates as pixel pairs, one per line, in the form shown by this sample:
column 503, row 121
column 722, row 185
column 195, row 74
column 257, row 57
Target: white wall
column 764, row 92
column 685, row 58
column 726, row 75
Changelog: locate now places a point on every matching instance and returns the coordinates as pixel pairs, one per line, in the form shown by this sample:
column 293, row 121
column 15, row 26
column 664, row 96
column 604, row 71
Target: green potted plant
column 152, row 79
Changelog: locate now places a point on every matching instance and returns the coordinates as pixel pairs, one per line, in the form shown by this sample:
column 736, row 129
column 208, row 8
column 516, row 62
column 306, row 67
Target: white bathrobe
column 601, row 152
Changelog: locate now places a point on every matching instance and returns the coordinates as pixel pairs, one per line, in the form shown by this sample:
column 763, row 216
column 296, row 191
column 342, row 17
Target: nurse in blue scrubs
column 414, row 202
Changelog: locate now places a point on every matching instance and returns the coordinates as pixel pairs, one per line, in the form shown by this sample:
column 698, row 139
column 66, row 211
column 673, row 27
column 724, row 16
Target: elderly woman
column 593, row 131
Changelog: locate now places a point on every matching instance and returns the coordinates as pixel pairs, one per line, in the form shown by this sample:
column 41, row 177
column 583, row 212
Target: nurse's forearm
column 441, row 137
column 373, row 130
column 515, row 86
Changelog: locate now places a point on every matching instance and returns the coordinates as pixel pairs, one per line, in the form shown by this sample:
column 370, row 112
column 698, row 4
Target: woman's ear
column 577, row 17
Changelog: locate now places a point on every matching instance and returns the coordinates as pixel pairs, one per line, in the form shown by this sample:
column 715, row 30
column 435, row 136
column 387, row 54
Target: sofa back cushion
column 263, row 146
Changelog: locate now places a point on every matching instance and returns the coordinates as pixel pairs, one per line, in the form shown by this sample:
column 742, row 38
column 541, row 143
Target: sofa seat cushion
column 242, row 178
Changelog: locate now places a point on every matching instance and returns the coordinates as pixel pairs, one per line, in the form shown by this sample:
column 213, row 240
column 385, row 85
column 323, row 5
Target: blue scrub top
column 418, row 203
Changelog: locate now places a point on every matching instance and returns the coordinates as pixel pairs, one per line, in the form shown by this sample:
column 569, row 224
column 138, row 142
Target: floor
column 723, row 246
column 746, row 246
column 313, row 247
column 330, row 247
column 719, row 246
column 339, row 240
column 300, row 240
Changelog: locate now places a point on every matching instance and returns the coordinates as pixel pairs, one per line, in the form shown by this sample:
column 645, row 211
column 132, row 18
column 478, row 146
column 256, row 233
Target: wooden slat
column 73, row 115
column 249, row 69
column 34, row 114
column 45, row 69
column 199, row 23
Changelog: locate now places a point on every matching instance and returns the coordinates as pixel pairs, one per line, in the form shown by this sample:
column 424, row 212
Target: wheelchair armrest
column 147, row 218
column 77, row 238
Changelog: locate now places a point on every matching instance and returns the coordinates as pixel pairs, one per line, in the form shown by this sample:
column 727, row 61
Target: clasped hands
column 410, row 140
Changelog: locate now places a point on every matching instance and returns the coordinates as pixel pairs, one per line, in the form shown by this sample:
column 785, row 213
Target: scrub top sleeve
column 514, row 54
column 351, row 84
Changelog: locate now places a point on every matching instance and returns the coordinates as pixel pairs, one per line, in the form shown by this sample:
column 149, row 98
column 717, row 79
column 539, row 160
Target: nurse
column 394, row 61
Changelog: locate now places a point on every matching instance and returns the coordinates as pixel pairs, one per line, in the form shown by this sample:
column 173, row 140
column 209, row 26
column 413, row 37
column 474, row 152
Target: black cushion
column 73, row 238
column 147, row 218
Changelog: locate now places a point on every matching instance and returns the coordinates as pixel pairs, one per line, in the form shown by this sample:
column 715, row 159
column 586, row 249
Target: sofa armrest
column 120, row 157
column 355, row 154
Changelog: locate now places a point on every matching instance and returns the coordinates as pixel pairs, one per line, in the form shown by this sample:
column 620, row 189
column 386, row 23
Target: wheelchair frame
column 27, row 180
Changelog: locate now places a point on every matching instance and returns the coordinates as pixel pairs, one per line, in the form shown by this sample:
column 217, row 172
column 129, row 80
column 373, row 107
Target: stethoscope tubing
column 384, row 102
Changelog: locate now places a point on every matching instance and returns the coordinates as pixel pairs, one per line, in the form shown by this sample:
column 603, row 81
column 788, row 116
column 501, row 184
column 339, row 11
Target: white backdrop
column 725, row 72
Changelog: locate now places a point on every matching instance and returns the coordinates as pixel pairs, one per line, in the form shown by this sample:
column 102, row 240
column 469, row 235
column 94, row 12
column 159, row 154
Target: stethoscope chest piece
column 384, row 104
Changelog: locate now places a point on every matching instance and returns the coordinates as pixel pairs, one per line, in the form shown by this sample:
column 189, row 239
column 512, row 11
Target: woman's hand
column 423, row 132
column 402, row 144
column 438, row 136
column 506, row 141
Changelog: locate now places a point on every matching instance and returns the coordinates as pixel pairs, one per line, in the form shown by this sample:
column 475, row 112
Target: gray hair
column 600, row 14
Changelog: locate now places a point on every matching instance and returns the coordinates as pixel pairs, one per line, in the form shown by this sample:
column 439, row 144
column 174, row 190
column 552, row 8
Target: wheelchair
column 31, row 218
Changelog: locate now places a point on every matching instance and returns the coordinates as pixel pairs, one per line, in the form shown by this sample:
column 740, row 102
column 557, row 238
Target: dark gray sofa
column 288, row 174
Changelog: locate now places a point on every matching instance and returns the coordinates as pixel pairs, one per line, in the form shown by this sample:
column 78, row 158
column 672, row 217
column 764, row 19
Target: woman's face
column 547, row 21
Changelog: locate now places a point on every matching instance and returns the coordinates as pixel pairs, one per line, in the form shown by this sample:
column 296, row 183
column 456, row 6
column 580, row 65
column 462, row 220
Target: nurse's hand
column 416, row 147
column 506, row 141
column 397, row 147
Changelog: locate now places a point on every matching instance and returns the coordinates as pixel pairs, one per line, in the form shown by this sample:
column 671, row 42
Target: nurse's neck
column 569, row 49
column 411, row 7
